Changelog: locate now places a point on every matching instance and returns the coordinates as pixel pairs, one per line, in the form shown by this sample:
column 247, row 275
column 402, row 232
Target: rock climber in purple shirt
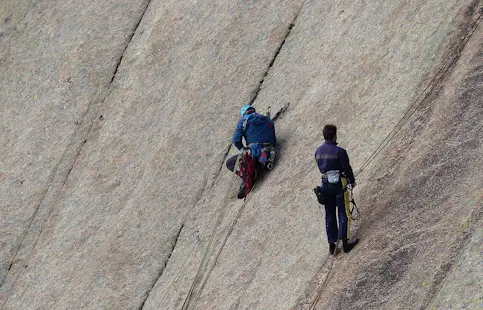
column 337, row 175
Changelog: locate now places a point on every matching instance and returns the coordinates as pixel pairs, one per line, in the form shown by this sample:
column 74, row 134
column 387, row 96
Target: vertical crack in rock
column 161, row 271
column 326, row 272
column 277, row 52
column 65, row 164
column 36, row 211
column 270, row 65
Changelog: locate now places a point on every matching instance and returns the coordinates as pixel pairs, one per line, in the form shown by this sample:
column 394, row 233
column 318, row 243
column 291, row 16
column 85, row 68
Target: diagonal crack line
column 161, row 271
column 327, row 266
column 34, row 215
column 210, row 183
column 277, row 52
column 435, row 82
column 91, row 120
column 225, row 155
column 129, row 42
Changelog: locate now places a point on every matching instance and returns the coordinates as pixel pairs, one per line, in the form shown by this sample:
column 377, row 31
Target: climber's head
column 247, row 110
column 330, row 133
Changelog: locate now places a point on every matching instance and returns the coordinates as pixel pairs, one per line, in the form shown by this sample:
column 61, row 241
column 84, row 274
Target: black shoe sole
column 241, row 193
column 351, row 246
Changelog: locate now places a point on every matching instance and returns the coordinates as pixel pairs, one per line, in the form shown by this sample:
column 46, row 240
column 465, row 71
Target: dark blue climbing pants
column 336, row 206
column 231, row 162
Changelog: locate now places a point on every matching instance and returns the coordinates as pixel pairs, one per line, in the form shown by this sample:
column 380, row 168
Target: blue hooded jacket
column 258, row 129
column 329, row 156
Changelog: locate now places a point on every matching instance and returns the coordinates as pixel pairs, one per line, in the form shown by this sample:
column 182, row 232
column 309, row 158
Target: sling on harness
column 247, row 171
column 249, row 163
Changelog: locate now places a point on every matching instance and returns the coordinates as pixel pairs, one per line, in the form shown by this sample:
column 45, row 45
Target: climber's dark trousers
column 336, row 202
column 230, row 163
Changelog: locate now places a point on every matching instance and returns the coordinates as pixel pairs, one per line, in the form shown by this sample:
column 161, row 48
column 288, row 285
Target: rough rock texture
column 463, row 286
column 423, row 207
column 57, row 61
column 116, row 121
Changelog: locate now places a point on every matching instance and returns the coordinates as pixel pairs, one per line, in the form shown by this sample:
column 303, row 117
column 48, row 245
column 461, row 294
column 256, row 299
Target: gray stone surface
column 462, row 288
column 423, row 207
column 135, row 207
column 57, row 60
column 159, row 140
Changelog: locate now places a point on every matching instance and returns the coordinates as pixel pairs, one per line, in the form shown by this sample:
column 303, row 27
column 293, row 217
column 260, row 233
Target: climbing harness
column 264, row 153
column 333, row 176
column 353, row 210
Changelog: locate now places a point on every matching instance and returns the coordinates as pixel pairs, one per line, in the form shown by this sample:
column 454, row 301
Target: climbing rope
column 422, row 96
column 198, row 241
column 354, row 211
column 230, row 230
column 189, row 298
column 412, row 109
column 210, row 243
column 219, row 219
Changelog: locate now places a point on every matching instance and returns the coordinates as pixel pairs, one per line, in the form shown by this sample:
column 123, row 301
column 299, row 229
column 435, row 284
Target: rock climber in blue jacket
column 258, row 131
column 337, row 175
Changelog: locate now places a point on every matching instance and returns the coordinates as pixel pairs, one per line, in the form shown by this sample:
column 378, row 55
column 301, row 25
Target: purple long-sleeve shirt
column 329, row 156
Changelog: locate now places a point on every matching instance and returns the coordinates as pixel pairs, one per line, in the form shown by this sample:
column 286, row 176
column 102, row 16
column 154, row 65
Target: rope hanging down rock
column 422, row 96
column 190, row 300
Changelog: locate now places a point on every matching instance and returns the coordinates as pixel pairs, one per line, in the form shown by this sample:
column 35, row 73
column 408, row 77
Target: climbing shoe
column 241, row 191
column 348, row 246
column 332, row 247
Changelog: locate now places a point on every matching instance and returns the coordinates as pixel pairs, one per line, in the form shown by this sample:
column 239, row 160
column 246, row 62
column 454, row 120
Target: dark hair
column 329, row 132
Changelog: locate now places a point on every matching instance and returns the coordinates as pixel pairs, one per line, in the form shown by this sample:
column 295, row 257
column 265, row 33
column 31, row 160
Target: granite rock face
column 116, row 122
column 57, row 61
